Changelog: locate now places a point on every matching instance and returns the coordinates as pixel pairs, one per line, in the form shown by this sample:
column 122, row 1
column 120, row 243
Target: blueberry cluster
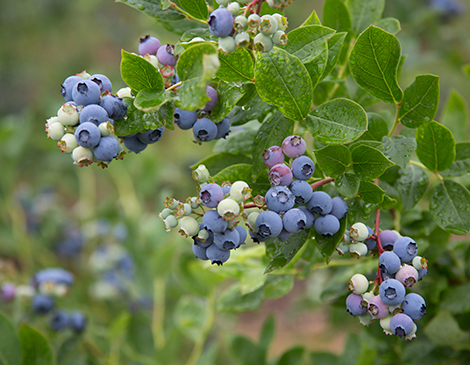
column 219, row 232
column 360, row 240
column 253, row 32
column 292, row 204
column 387, row 301
column 84, row 125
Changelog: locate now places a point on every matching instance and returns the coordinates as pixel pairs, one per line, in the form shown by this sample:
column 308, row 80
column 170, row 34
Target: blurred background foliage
column 147, row 299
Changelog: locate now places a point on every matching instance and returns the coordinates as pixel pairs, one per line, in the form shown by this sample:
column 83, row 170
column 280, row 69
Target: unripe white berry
column 358, row 284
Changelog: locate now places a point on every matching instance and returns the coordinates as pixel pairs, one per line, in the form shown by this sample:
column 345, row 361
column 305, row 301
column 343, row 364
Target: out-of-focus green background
column 42, row 193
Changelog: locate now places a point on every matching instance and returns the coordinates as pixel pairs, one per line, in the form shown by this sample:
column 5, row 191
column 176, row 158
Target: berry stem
column 258, row 8
column 378, row 278
column 321, row 182
column 397, row 121
column 248, row 7
column 249, row 205
column 175, row 85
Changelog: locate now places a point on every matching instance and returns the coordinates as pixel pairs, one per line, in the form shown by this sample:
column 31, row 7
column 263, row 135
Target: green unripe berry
column 366, row 319
column 412, row 334
column 263, row 43
column 188, row 226
column 359, row 232
column 342, row 248
column 165, row 213
column 367, row 296
column 67, row 143
column 358, row 249
column 52, row 120
column 385, row 324
column 240, row 191
column 222, row 2
column 268, row 25
column 82, row 156
column 234, row 8
column 227, row 44
column 55, row 131
column 201, row 174
column 252, row 221
column 240, row 23
column 203, row 235
column 358, row 284
column 280, row 38
column 68, row 114
column 253, row 21
column 281, row 21
column 228, row 209
column 194, row 202
column 106, row 129
column 242, row 40
column 170, row 222
column 125, row 92
column 419, row 263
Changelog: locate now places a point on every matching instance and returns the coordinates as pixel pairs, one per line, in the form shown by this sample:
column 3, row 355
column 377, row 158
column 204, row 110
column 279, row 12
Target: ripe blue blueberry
column 405, row 248
column 77, row 321
column 204, row 130
column 392, row 292
column 280, row 174
column 303, row 168
column 151, row 136
column 227, row 240
column 223, row 128
column 302, row 191
column 149, row 45
column 279, row 199
column 53, row 274
column 42, row 304
column 213, row 222
column 422, row 273
column 185, row 119
column 320, row 203
column 387, row 239
column 87, row 135
column 242, row 234
column 339, row 207
column 389, row 262
column 273, row 156
column 67, row 86
column 284, row 235
column 221, row 22
column 327, row 225
column 294, row 146
column 214, row 96
column 102, row 81
column 199, row 252
column 355, row 306
column 309, row 215
column 370, row 242
column 59, row 321
column 93, row 113
column 166, row 55
column 269, row 224
column 211, row 195
column 133, row 144
column 107, row 149
column 401, row 325
column 414, row 306
column 257, row 238
column 216, row 255
column 86, row 92
column 294, row 220
column 114, row 105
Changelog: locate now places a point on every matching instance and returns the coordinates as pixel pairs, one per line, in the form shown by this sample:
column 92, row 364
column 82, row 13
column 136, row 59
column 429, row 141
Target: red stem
column 321, row 182
column 250, row 205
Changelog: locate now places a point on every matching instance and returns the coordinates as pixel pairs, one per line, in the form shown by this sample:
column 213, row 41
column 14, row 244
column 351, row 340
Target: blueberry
column 268, row 25
column 377, row 308
column 223, row 128
column 273, row 156
column 280, row 174
column 77, row 321
column 133, row 144
column 227, row 240
column 257, row 238
column 149, row 45
column 284, row 235
column 370, row 242
column 279, row 199
column 228, row 208
column 294, row 146
column 414, row 306
column 204, row 237
column 358, row 284
column 221, row 22
column 86, row 92
column 200, row 252
column 294, row 220
column 269, row 224
column 103, row 82
column 42, row 304
column 67, row 115
column 211, row 195
column 309, row 215
column 407, row 275
column 358, row 249
column 151, row 136
column 8, row 292
column 70, row 245
column 240, row 23
column 401, row 325
column 166, row 55
column 55, row 131
column 226, row 189
column 54, row 274
column 107, row 149
column 263, row 43
column 185, row 119
column 214, row 96
column 82, row 156
column 93, row 113
column 201, row 174
column 405, row 248
column 188, row 227
column 240, row 191
column 422, row 273
column 354, row 305
column 392, row 292
column 242, row 234
column 234, row 8
column 359, row 232
column 59, row 321
column 301, row 190
column 114, row 105
column 253, row 21
column 242, row 40
column 320, row 203
column 327, row 225
column 87, row 135
column 204, row 130
column 227, row 44
column 67, row 86
column 280, row 38
column 387, row 239
column 303, row 167
column 389, row 262
column 339, row 207
column 216, row 255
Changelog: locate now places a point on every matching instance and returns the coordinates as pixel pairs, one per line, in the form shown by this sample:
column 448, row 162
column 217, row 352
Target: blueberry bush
column 323, row 167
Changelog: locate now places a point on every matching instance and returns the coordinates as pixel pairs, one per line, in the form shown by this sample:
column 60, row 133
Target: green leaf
column 36, row 349
column 246, row 352
column 281, row 79
column 374, row 62
column 203, row 33
column 151, row 99
column 294, row 356
column 444, row 330
column 450, row 207
column 254, row 109
column 243, row 172
column 267, row 332
column 236, row 66
column 271, row 133
column 337, row 121
column 399, row 149
column 252, row 279
column 281, row 253
column 232, row 300
column 196, row 8
column 10, row 346
column 359, row 211
column 364, row 12
column 336, row 15
column 347, row 184
column 152, row 8
column 326, row 245
column 140, row 74
column 420, row 101
column 435, row 146
column 411, row 185
column 391, row 25
column 312, row 20
column 239, row 141
column 461, row 165
column 219, row 161
column 455, row 116
column 371, row 193
column 195, row 67
column 277, row 286
column 377, row 128
column 306, row 43
column 333, row 160
column 368, row 162
column 456, row 299
column 335, row 46
column 189, row 316
column 229, row 95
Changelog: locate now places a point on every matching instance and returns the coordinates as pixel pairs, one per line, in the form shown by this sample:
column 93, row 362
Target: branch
column 321, row 182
